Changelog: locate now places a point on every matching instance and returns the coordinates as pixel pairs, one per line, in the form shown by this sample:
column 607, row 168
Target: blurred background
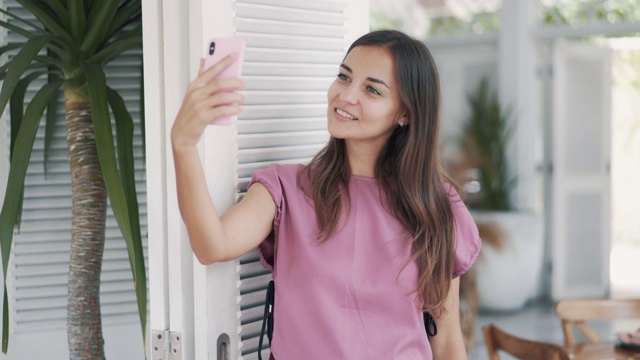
column 541, row 127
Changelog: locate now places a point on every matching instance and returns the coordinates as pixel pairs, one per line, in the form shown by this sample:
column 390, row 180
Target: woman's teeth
column 345, row 114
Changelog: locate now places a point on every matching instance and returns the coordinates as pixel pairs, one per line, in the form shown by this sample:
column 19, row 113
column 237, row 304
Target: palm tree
column 70, row 43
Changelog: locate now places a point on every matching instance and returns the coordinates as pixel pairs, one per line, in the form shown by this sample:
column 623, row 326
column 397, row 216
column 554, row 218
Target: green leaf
column 143, row 129
column 100, row 17
column 52, row 60
column 114, row 49
column 4, row 68
column 9, row 47
column 124, row 140
column 19, row 64
column 16, row 29
column 124, row 208
column 5, row 320
column 22, row 20
column 52, row 116
column 78, row 18
column 17, row 106
column 128, row 12
column 48, row 18
column 59, row 9
column 15, row 183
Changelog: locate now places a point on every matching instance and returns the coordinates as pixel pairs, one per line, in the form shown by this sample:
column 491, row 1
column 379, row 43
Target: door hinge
column 166, row 345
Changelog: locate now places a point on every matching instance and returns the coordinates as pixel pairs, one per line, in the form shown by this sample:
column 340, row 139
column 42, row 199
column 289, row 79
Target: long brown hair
column 408, row 169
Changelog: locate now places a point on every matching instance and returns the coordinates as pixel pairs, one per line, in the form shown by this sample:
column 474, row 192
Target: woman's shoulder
column 286, row 169
column 282, row 174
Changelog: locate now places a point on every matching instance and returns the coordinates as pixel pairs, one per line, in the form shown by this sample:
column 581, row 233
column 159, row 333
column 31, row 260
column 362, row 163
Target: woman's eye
column 343, row 77
column 373, row 90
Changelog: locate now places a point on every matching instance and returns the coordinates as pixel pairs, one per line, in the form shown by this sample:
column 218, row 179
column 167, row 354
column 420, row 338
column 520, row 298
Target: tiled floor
column 538, row 322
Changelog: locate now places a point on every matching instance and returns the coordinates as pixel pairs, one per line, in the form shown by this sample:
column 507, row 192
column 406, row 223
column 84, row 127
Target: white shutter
column 292, row 56
column 581, row 180
column 40, row 260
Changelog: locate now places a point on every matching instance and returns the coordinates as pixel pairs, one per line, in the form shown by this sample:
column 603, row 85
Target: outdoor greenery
column 582, row 13
column 70, row 43
column 575, row 13
column 487, row 130
column 481, row 23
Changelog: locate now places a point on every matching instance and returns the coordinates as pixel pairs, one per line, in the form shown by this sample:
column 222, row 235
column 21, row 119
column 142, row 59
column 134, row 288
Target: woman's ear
column 404, row 120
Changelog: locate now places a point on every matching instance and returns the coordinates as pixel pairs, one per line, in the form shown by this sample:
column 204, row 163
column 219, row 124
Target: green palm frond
column 124, row 132
column 70, row 43
column 50, row 121
column 48, row 18
column 120, row 182
column 15, row 184
column 78, row 23
column 16, row 29
column 26, row 22
column 129, row 12
column 19, row 65
column 99, row 18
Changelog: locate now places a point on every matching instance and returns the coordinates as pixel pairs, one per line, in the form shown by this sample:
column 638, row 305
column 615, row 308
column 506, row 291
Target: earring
column 401, row 123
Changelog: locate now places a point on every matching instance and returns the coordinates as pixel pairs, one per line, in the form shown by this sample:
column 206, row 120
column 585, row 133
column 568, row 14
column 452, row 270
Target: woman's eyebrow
column 377, row 81
column 346, row 68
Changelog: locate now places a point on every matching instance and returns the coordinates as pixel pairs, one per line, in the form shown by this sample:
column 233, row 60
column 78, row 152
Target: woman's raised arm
column 243, row 227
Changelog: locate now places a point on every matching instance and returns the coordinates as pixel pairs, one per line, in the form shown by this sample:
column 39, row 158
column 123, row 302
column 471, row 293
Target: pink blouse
column 350, row 297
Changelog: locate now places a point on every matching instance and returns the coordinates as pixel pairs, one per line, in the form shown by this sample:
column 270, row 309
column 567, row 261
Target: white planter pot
column 507, row 278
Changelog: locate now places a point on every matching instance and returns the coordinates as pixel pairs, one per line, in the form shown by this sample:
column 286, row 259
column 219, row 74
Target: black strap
column 267, row 319
column 430, row 325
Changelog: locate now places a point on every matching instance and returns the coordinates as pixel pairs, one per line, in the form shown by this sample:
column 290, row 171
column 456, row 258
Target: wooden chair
column 497, row 339
column 578, row 311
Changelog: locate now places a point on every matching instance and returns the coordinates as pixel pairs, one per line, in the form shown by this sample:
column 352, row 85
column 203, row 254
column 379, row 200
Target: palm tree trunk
column 89, row 202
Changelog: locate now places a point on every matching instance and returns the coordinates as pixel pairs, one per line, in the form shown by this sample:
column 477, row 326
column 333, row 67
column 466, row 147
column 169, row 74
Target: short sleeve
column 466, row 236
column 271, row 180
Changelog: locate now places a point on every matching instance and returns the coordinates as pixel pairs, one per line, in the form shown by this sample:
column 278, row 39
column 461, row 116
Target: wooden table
column 601, row 351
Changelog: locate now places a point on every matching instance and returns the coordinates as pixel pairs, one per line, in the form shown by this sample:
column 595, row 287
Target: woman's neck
column 362, row 158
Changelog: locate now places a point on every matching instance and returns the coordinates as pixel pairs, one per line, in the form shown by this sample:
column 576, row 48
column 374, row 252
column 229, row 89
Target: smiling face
column 363, row 102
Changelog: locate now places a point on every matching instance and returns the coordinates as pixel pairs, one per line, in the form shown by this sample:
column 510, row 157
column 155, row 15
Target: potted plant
column 70, row 43
column 508, row 272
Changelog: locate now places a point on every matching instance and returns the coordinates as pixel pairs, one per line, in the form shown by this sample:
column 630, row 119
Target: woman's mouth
column 343, row 115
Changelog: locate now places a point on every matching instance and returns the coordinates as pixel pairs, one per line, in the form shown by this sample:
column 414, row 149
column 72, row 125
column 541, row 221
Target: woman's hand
column 207, row 98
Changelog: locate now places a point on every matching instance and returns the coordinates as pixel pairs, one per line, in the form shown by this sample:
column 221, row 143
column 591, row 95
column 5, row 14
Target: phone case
column 218, row 49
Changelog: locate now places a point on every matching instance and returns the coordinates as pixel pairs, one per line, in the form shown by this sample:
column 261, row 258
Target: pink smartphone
column 218, row 49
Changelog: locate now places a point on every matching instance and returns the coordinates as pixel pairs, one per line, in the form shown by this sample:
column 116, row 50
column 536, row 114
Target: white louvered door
column 581, row 178
column 292, row 56
column 40, row 259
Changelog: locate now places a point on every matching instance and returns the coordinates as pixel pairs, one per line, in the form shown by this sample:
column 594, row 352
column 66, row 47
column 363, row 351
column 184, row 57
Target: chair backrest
column 497, row 339
column 578, row 311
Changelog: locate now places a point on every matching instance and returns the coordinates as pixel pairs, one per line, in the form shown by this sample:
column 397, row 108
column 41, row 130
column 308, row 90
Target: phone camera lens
column 212, row 48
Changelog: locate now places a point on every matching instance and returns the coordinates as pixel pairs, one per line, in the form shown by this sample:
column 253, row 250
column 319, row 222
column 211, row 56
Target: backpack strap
column 267, row 319
column 430, row 325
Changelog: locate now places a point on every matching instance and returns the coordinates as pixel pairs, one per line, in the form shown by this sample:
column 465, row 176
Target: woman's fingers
column 208, row 108
column 211, row 73
column 215, row 93
column 225, row 98
column 224, row 85
column 217, row 85
column 208, row 98
column 201, row 67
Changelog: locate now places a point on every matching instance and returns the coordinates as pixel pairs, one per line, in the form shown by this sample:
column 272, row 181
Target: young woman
column 367, row 235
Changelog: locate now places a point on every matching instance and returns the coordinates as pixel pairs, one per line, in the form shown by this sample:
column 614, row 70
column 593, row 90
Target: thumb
column 201, row 68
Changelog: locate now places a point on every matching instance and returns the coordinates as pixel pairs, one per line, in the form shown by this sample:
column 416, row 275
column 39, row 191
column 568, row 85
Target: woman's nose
column 349, row 94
